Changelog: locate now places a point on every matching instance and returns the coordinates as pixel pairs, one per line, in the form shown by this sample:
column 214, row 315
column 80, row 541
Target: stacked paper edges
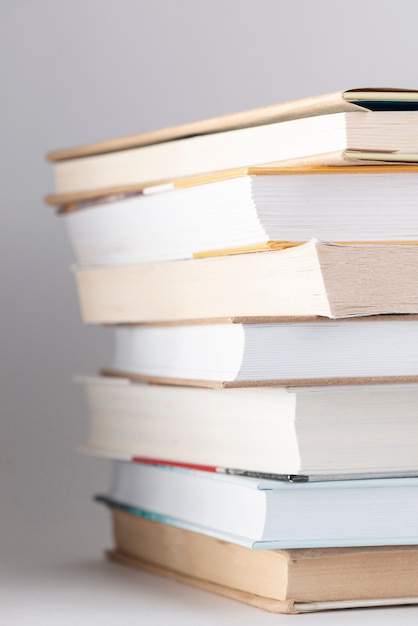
column 260, row 410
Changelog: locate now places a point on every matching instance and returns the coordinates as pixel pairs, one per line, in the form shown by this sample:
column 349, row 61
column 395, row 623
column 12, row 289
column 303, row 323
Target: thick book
column 280, row 581
column 353, row 126
column 270, row 514
column 296, row 433
column 247, row 212
column 284, row 352
column 314, row 279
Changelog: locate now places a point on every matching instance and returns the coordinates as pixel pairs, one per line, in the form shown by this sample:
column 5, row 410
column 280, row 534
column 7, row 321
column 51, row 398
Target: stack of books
column 261, row 407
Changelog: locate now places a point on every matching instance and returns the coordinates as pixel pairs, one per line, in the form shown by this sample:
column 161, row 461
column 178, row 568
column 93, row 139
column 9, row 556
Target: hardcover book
column 270, row 514
column 280, row 352
column 280, row 581
column 353, row 126
column 299, row 433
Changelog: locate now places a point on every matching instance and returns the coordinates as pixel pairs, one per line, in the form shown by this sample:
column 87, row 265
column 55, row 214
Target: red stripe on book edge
column 203, row 468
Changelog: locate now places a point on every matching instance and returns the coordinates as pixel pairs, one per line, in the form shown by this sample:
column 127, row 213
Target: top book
column 349, row 127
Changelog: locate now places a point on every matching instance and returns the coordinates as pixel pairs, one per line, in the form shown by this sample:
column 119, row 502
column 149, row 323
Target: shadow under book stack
column 261, row 408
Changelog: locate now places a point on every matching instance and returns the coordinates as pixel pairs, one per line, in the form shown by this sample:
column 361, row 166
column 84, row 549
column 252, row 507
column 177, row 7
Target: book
column 353, row 126
column 269, row 514
column 296, row 433
column 314, row 279
column 293, row 353
column 247, row 212
column 290, row 581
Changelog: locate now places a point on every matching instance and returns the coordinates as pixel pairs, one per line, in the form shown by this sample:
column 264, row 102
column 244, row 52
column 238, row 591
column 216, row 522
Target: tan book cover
column 337, row 102
column 280, row 581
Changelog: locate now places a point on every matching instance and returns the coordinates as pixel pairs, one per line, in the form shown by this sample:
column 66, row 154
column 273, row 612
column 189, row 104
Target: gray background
column 75, row 71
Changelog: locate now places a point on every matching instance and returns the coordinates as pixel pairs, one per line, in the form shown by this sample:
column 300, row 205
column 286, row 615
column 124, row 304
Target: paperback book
column 247, row 213
column 315, row 279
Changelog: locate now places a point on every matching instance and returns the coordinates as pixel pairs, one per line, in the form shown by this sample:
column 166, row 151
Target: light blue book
column 268, row 513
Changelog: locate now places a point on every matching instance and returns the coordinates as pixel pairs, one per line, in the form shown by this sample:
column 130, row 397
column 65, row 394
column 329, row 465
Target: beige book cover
column 338, row 102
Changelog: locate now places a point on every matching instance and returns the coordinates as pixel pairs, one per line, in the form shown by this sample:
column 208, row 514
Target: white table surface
column 94, row 591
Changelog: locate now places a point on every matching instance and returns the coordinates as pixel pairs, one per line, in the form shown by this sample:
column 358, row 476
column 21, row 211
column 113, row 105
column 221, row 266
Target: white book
column 247, row 212
column 271, row 514
column 297, row 432
column 280, row 352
